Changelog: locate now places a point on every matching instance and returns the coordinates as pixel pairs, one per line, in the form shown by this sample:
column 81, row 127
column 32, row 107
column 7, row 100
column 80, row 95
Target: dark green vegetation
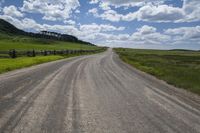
column 177, row 67
column 13, row 38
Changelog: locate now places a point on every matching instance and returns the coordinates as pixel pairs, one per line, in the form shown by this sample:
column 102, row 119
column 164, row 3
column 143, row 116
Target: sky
column 149, row 24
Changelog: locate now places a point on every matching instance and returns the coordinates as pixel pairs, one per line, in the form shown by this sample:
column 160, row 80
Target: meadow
column 12, row 64
column 27, row 43
column 180, row 68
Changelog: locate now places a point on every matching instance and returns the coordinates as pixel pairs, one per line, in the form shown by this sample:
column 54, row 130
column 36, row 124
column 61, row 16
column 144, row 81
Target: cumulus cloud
column 94, row 1
column 52, row 10
column 95, row 28
column 185, row 33
column 70, row 22
column 149, row 35
column 160, row 13
column 144, row 35
column 24, row 23
column 110, row 15
column 77, row 11
column 192, row 10
column 146, row 30
column 93, row 11
column 104, row 6
column 129, row 3
column 12, row 11
column 189, row 12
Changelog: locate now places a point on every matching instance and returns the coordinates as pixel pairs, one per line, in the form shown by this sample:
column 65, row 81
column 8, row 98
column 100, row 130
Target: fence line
column 32, row 53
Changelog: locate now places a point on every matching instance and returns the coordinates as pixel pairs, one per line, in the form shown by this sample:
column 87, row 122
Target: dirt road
column 93, row 94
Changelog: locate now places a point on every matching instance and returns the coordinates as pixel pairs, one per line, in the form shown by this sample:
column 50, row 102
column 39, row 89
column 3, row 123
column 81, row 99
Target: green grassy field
column 27, row 43
column 12, row 64
column 8, row 64
column 179, row 68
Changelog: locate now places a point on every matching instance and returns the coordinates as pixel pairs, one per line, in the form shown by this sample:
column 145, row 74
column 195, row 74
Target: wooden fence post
column 12, row 53
column 66, row 52
column 33, row 53
column 45, row 53
column 28, row 53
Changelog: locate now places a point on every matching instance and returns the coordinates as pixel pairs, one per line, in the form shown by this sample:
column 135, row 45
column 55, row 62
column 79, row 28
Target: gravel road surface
column 93, row 94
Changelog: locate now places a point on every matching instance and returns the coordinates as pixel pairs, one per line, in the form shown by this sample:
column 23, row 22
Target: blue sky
column 154, row 24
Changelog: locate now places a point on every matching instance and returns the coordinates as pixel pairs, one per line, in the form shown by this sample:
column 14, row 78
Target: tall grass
column 179, row 68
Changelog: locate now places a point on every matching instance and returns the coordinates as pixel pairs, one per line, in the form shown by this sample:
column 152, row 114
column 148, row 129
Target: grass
column 12, row 64
column 27, row 43
column 8, row 64
column 18, row 43
column 179, row 68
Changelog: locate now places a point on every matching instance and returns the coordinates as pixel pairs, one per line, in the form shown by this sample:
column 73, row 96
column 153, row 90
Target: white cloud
column 192, row 10
column 178, row 36
column 149, row 35
column 77, row 11
column 12, row 11
column 52, row 10
column 94, row 1
column 12, row 20
column 95, row 28
column 25, row 23
column 30, row 24
column 145, row 35
column 152, row 12
column 185, row 33
column 146, row 30
column 130, row 3
column 71, row 22
column 93, row 11
column 160, row 13
column 110, row 15
column 104, row 6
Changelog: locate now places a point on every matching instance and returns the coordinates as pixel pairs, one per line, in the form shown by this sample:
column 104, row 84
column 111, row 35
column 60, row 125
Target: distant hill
column 8, row 28
column 184, row 50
